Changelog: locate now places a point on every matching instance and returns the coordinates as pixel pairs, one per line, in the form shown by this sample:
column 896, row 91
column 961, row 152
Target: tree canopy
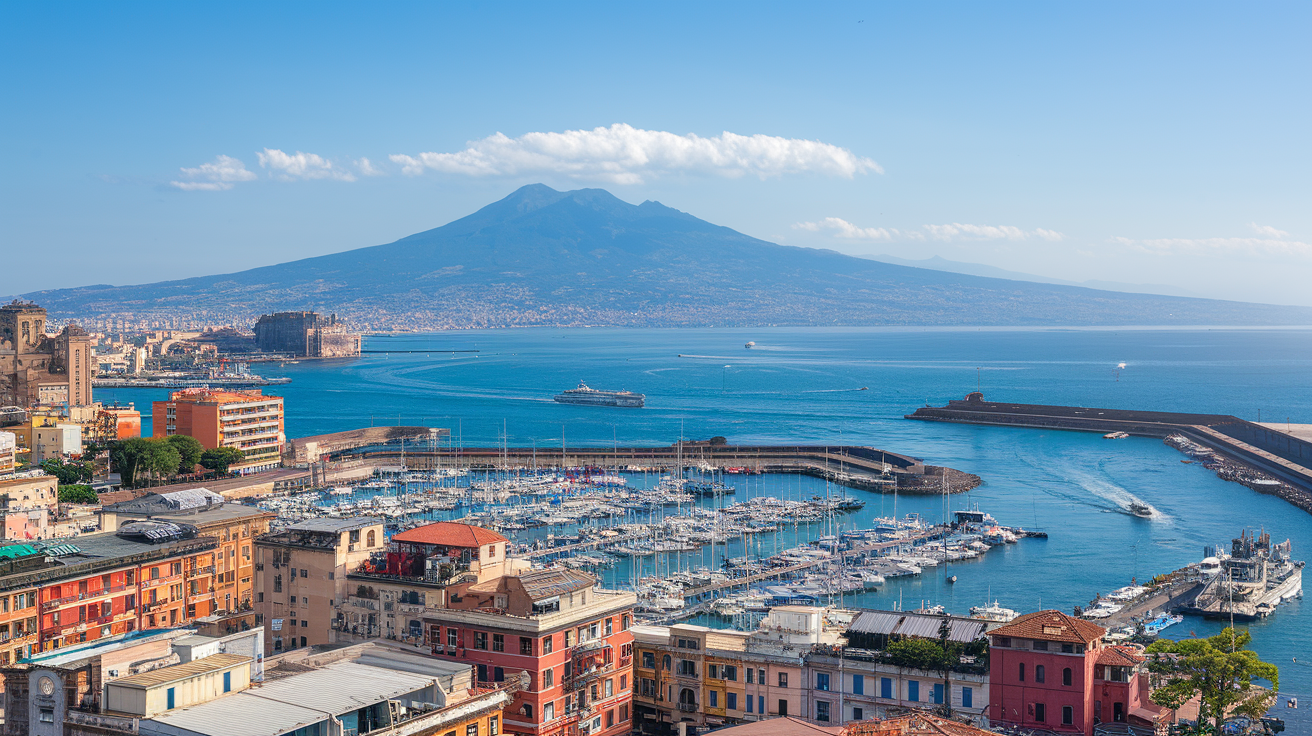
column 1219, row 669
column 221, row 458
column 190, row 450
column 921, row 654
column 140, row 457
column 78, row 494
column 67, row 473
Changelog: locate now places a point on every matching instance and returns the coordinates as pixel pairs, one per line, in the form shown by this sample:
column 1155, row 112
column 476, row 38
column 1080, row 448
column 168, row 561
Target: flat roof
column 288, row 703
column 77, row 652
column 334, row 525
column 184, row 671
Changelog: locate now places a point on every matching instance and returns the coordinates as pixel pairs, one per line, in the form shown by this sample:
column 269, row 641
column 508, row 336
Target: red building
column 451, row 588
column 1051, row 671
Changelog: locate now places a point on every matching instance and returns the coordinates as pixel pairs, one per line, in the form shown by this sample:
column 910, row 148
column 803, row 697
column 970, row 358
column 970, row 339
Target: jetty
column 1279, row 462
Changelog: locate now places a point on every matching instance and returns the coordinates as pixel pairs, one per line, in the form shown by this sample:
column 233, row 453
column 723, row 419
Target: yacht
column 594, row 397
column 1140, row 510
column 994, row 612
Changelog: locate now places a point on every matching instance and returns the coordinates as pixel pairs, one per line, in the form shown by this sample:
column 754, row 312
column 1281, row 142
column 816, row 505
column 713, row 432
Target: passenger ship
column 594, row 397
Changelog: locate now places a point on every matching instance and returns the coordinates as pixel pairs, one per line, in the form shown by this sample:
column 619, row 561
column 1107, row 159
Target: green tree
column 718, row 441
column 139, row 457
column 67, row 473
column 125, row 456
column 189, row 448
column 78, row 494
column 1220, row 670
column 161, row 459
column 920, row 654
column 220, row 459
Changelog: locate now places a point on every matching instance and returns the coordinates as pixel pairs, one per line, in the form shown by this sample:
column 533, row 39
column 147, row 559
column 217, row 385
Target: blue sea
column 804, row 385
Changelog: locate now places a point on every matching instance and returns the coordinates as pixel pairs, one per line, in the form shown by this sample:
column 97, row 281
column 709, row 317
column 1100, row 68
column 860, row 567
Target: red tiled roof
column 1119, row 657
column 1051, row 626
column 450, row 534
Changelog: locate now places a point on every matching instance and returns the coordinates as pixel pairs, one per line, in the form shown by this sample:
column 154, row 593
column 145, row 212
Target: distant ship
column 1141, row 510
column 593, row 397
column 1256, row 577
column 750, row 345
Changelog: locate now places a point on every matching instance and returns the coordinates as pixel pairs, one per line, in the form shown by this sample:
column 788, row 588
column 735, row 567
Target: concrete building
column 29, row 503
column 450, row 589
column 305, row 335
column 1051, row 671
column 39, row 370
column 246, row 420
column 8, row 453
column 158, row 691
column 57, row 442
column 301, row 577
column 118, row 423
column 234, row 526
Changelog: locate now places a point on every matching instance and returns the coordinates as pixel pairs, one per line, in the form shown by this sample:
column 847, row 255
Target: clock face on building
column 47, row 685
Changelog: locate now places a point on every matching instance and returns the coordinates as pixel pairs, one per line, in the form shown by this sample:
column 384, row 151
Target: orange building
column 118, row 423
column 246, row 420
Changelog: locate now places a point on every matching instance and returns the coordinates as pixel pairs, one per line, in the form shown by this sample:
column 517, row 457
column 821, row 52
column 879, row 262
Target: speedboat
column 1140, row 510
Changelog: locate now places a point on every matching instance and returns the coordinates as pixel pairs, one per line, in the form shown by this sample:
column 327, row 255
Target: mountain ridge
column 584, row 257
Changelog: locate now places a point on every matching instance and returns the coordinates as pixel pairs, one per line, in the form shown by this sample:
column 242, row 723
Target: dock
column 1283, row 456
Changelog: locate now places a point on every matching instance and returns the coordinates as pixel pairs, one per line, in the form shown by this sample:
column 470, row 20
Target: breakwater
column 1263, row 459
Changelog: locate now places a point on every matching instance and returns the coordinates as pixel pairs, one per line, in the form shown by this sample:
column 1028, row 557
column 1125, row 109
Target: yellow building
column 179, row 686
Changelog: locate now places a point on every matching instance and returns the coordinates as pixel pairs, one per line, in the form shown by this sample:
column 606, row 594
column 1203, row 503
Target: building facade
column 246, row 420
column 306, row 335
column 450, row 589
column 301, row 577
column 39, row 370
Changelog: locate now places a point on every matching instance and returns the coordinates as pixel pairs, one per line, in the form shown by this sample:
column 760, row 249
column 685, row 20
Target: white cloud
column 1268, row 231
column 622, row 154
column 1218, row 246
column 367, row 168
column 299, row 165
column 215, row 176
column 843, row 229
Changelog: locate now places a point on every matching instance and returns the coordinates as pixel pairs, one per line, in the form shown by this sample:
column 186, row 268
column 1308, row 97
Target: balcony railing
column 690, row 707
column 89, row 595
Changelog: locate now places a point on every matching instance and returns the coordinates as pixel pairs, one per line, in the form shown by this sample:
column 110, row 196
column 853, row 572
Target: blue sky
column 1153, row 143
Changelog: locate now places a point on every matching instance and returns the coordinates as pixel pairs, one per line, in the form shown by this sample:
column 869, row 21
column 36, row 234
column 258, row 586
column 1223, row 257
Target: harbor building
column 8, row 453
column 450, row 589
column 246, row 420
column 306, row 335
column 1051, row 671
column 301, row 577
column 234, row 526
column 37, row 369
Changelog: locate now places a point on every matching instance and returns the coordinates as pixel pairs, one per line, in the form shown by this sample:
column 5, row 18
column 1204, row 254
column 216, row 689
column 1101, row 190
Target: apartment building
column 8, row 453
column 234, row 526
column 246, row 420
column 1050, row 671
column 450, row 589
column 301, row 577
column 30, row 505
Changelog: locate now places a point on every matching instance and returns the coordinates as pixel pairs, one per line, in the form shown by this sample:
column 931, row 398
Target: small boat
column 750, row 345
column 1140, row 510
column 1115, row 435
column 952, row 579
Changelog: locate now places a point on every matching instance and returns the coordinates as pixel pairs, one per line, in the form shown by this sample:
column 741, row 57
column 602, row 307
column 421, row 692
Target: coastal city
column 390, row 579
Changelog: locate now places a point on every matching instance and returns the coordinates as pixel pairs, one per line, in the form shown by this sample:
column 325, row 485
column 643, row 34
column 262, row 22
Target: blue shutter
column 938, row 693
column 967, row 698
column 913, row 691
column 171, row 699
column 858, row 685
column 227, row 682
column 885, row 688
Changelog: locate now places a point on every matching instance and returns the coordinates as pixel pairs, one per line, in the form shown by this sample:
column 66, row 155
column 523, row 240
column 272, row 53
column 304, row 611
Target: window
column 1022, row 672
column 610, row 626
column 858, row 685
column 624, row 626
column 482, row 673
column 822, row 681
column 567, row 638
column 1066, row 677
column 1067, row 715
column 967, row 697
column 369, row 539
column 858, row 714
column 172, row 700
column 1002, row 641
column 610, row 687
column 480, row 640
column 48, row 715
column 1118, row 712
column 937, row 695
column 549, row 712
column 525, row 645
column 1067, row 648
column 493, row 726
column 452, row 637
column 649, row 660
column 528, row 711
column 714, row 698
column 498, row 643
column 498, row 674
column 783, row 707
column 886, row 688
column 548, row 678
column 687, row 668
column 1040, row 674
column 730, row 673
column 1040, row 646
column 913, row 691
column 227, row 682
column 760, row 677
column 1040, row 713
column 471, row 729
column 750, row 679
column 624, row 682
column 760, row 704
column 713, row 671
column 822, row 711
column 610, row 718
column 546, row 644
column 749, row 701
column 664, row 661
column 783, row 679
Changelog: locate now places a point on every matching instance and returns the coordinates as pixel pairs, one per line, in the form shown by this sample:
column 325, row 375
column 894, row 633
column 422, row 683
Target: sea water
column 853, row 386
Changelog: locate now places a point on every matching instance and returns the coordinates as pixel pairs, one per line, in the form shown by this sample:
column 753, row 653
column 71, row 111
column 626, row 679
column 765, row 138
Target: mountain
column 939, row 263
column 543, row 257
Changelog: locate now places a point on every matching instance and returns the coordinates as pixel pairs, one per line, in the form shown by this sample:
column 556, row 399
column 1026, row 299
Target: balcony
column 52, row 604
column 689, row 707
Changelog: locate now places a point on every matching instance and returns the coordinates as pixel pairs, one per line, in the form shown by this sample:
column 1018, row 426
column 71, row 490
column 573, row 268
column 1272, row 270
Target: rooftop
column 211, row 396
column 1119, row 656
column 190, row 503
column 184, row 671
column 540, row 584
column 899, row 623
column 334, row 525
column 1051, row 626
column 450, row 534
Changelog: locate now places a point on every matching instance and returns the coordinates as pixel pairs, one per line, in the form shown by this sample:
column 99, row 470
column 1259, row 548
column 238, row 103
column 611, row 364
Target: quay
column 864, row 468
column 1281, row 456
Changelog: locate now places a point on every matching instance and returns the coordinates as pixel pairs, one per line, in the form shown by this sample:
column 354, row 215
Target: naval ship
column 594, row 397
column 1256, row 577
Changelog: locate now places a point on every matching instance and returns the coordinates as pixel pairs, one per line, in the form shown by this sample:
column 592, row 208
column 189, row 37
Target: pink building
column 1051, row 671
